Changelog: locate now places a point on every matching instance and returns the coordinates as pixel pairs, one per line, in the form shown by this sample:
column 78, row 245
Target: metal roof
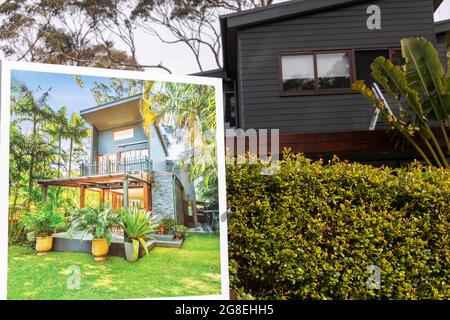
column 442, row 26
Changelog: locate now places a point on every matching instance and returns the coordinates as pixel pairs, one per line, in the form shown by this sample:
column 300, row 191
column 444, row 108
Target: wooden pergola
column 107, row 184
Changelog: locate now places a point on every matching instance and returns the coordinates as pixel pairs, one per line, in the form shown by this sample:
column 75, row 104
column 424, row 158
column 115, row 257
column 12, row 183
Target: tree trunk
column 14, row 206
column 59, row 157
column 32, row 160
column 70, row 156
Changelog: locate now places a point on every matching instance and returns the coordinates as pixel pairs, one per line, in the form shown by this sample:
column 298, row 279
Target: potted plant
column 98, row 222
column 43, row 224
column 136, row 227
column 165, row 225
column 180, row 232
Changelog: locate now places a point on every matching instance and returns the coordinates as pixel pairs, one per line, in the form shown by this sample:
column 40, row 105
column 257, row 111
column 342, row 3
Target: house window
column 364, row 58
column 134, row 154
column 123, row 134
column 396, row 57
column 316, row 72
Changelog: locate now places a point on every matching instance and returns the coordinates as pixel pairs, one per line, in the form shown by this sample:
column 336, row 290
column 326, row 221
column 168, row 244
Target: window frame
column 390, row 49
column 123, row 129
column 317, row 90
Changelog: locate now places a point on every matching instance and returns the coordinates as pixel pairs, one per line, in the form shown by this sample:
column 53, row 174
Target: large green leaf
column 426, row 75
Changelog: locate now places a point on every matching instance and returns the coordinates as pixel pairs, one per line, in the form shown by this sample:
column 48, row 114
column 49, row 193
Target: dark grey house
column 290, row 67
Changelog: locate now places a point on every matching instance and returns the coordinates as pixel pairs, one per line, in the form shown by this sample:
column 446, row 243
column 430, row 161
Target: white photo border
column 6, row 67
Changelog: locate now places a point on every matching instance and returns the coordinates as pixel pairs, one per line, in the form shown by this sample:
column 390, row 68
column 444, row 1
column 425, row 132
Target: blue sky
column 64, row 89
column 66, row 92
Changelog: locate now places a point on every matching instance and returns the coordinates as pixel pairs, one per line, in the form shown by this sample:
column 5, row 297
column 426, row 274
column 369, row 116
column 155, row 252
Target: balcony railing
column 130, row 166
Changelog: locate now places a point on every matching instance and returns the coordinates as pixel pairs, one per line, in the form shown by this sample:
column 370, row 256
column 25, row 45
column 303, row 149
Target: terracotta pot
column 44, row 245
column 100, row 249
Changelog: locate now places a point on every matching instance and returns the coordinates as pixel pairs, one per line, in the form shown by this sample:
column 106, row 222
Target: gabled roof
column 287, row 9
column 118, row 113
column 442, row 26
column 231, row 23
column 215, row 73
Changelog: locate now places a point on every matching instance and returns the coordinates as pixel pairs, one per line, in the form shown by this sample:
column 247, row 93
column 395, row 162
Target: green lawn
column 192, row 270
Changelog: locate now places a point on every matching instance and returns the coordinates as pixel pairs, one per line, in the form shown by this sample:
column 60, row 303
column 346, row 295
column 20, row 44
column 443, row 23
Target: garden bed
column 62, row 242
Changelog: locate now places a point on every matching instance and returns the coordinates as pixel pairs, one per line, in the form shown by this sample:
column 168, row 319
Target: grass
column 193, row 270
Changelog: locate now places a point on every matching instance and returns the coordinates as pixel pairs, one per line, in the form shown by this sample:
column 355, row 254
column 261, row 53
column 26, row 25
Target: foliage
column 192, row 270
column 181, row 232
column 103, row 33
column 311, row 230
column 44, row 221
column 95, row 221
column 37, row 149
column 68, row 32
column 117, row 89
column 30, row 109
column 191, row 110
column 165, row 225
column 193, row 23
column 421, row 91
column 137, row 226
column 77, row 131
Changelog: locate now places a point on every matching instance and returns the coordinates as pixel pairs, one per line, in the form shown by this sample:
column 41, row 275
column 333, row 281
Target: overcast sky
column 179, row 59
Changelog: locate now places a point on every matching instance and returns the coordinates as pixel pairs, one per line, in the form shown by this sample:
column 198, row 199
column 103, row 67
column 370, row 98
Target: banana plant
column 421, row 91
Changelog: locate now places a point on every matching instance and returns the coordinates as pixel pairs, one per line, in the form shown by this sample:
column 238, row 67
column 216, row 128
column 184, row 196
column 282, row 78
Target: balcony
column 126, row 166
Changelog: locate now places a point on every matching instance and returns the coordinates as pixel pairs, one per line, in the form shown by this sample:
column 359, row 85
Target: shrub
column 311, row 230
column 165, row 225
column 44, row 222
column 181, row 232
column 97, row 221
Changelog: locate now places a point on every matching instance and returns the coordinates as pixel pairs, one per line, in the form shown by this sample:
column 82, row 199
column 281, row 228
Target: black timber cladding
column 343, row 27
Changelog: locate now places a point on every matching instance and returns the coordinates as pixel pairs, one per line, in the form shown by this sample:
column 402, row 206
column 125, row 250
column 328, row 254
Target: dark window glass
column 333, row 70
column 397, row 57
column 363, row 60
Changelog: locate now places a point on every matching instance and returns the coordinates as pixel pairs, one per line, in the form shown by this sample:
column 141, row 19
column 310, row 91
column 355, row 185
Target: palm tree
column 191, row 108
column 58, row 130
column 77, row 130
column 35, row 110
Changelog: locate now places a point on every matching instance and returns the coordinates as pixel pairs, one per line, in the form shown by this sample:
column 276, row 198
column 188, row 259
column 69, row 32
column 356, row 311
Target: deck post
column 147, row 201
column 44, row 193
column 102, row 196
column 114, row 200
column 125, row 193
column 82, row 196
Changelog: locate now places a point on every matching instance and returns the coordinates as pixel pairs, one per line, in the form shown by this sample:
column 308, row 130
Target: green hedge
column 311, row 230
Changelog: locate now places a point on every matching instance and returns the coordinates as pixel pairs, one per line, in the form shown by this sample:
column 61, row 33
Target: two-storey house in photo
column 129, row 168
column 290, row 66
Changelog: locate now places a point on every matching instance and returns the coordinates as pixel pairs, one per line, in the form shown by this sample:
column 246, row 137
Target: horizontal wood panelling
column 336, row 142
column 345, row 27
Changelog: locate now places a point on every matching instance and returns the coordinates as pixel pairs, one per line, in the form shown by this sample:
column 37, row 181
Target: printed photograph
column 113, row 188
column 302, row 152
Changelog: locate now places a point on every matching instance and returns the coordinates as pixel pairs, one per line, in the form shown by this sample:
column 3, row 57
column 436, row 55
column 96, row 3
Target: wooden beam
column 82, row 196
column 114, row 200
column 150, row 196
column 102, row 196
column 147, row 206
